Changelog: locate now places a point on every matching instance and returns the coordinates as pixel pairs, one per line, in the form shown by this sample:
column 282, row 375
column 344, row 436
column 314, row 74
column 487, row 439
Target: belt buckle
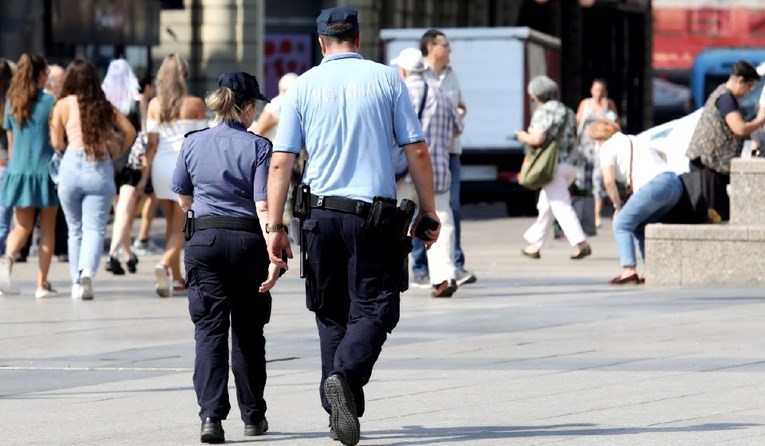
column 359, row 207
column 320, row 201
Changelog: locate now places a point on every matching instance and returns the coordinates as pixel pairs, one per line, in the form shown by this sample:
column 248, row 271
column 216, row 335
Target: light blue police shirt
column 349, row 113
column 225, row 168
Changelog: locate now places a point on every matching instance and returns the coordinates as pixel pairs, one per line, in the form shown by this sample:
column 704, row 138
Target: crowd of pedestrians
column 72, row 150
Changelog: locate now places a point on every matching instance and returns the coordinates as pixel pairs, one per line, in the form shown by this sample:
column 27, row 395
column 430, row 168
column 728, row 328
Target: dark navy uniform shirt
column 225, row 169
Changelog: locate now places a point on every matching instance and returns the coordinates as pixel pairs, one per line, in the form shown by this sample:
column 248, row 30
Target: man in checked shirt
column 440, row 123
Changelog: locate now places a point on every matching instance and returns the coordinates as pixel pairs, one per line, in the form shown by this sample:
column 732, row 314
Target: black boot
column 259, row 428
column 212, row 431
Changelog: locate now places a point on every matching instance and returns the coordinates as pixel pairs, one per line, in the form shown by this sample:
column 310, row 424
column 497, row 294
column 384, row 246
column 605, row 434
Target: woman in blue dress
column 27, row 185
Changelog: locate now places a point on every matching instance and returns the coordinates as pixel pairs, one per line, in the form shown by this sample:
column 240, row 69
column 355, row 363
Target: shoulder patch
column 195, row 131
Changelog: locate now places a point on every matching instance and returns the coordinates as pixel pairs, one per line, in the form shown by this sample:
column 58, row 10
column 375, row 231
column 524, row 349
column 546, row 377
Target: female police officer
column 220, row 179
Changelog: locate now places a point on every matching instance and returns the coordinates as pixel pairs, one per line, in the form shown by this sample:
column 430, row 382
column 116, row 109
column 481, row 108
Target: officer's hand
column 273, row 276
column 278, row 241
column 431, row 234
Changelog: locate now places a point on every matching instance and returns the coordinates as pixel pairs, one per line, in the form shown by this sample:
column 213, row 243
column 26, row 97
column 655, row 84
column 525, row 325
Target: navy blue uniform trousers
column 352, row 284
column 223, row 270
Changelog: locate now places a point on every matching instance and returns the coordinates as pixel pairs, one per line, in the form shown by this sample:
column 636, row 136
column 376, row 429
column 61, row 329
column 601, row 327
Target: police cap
column 333, row 16
column 244, row 85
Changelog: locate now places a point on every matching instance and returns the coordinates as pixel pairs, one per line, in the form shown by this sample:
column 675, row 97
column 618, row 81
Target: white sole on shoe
column 422, row 286
column 164, row 283
column 43, row 293
column 5, row 275
column 86, row 288
column 466, row 279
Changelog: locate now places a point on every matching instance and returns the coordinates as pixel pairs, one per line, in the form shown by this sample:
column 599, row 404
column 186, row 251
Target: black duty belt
column 340, row 204
column 233, row 223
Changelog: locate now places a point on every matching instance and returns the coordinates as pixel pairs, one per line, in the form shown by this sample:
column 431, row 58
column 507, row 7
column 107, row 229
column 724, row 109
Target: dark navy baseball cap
column 244, row 85
column 333, row 16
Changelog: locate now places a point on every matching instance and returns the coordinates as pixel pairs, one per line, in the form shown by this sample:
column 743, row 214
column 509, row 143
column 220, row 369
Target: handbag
column 540, row 163
column 137, row 152
column 114, row 141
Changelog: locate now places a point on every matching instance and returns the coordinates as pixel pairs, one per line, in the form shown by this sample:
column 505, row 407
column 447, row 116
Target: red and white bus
column 682, row 28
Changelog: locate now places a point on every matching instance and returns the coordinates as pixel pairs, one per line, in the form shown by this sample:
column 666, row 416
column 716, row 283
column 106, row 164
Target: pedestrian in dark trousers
column 348, row 112
column 220, row 178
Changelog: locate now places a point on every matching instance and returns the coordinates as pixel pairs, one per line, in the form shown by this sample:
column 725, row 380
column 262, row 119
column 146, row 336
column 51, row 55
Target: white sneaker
column 164, row 278
column 420, row 281
column 86, row 285
column 76, row 291
column 46, row 291
column 6, row 263
column 145, row 248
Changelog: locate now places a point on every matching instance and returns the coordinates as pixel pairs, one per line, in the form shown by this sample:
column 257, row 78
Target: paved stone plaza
column 535, row 353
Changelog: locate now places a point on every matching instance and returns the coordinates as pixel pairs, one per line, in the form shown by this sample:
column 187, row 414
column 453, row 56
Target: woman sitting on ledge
column 655, row 190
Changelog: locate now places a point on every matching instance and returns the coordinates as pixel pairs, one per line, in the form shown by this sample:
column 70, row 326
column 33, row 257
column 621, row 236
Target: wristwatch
column 275, row 227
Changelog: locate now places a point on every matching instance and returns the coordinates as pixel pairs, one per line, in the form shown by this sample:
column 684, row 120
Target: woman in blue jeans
column 656, row 189
column 86, row 177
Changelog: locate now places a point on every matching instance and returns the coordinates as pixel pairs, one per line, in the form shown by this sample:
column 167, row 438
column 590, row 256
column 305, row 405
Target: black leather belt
column 233, row 223
column 340, row 204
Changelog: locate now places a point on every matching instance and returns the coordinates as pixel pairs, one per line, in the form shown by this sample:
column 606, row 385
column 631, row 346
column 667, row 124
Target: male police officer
column 348, row 112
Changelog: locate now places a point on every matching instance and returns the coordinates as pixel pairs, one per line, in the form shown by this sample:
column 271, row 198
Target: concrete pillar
column 214, row 36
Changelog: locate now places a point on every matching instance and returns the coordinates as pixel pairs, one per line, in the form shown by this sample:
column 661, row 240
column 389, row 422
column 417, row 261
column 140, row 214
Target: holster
column 406, row 248
column 301, row 209
column 405, row 215
column 301, row 201
column 386, row 219
column 188, row 225
column 382, row 218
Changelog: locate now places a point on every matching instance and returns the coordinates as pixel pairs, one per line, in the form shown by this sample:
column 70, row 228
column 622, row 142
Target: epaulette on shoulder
column 270, row 143
column 195, row 131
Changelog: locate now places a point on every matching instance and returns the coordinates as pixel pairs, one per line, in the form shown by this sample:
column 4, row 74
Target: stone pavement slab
column 537, row 352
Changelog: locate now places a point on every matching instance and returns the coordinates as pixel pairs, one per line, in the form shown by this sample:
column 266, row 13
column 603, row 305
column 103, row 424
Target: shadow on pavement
column 419, row 435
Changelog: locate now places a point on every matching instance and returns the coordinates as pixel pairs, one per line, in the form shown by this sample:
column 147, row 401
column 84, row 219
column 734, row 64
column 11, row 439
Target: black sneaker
column 114, row 267
column 254, row 430
column 131, row 263
column 344, row 418
column 212, row 431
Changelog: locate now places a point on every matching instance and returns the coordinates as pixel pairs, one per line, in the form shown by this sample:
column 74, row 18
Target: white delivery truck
column 493, row 66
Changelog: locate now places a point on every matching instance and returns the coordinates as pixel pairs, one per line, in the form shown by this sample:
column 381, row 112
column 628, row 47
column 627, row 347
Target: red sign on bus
column 683, row 28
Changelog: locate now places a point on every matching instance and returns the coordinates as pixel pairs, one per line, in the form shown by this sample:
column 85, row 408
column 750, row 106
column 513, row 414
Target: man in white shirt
column 435, row 50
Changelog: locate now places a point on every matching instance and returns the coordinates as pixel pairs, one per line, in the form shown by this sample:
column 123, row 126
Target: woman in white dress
column 170, row 116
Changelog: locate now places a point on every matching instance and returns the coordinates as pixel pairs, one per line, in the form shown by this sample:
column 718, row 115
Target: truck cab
column 493, row 66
